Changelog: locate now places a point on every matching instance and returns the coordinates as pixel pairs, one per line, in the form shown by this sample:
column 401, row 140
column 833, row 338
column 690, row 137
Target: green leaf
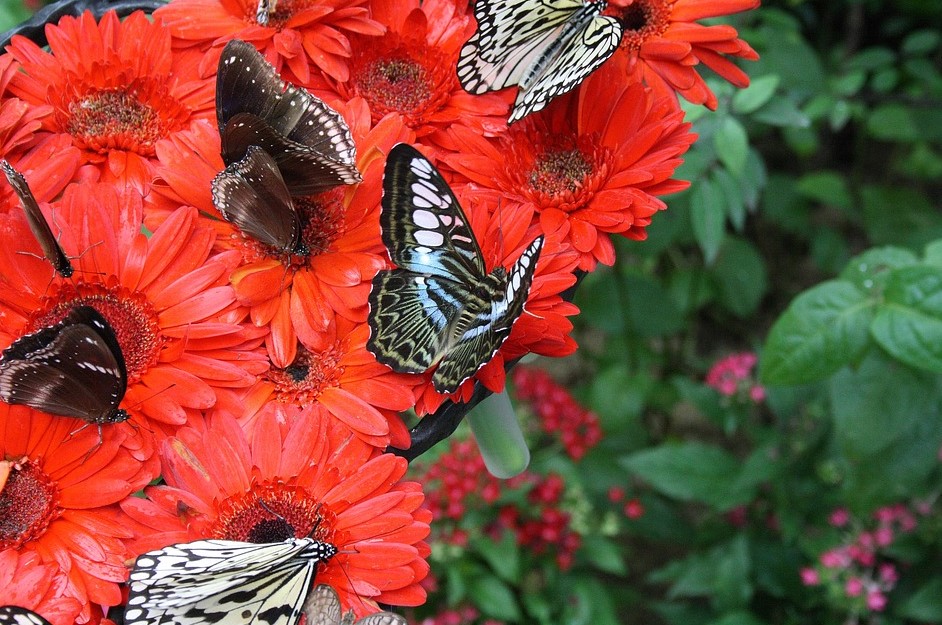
column 503, row 556
column 827, row 187
column 732, row 197
column 871, row 58
column 738, row 618
column 741, row 276
column 822, row 330
column 893, row 122
column 603, row 554
column 649, row 309
column 722, row 574
column 783, row 113
column 497, row 433
column 900, row 216
column 870, row 271
column 909, row 324
column 494, row 598
column 921, row 42
column 732, row 144
column 691, row 471
column 925, row 604
column 708, row 217
column 594, row 299
column 759, row 91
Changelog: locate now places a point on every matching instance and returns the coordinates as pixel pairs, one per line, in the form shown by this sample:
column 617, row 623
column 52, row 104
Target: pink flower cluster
column 858, row 569
column 732, row 375
column 560, row 414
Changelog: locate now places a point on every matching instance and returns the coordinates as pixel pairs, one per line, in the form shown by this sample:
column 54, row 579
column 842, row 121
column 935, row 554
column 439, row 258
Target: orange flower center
column 274, row 512
column 28, row 503
column 278, row 12
column 130, row 315
column 406, row 77
column 642, row 20
column 559, row 172
column 302, row 381
column 115, row 119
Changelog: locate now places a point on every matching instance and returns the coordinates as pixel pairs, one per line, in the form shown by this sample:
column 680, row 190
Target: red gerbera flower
column 339, row 378
column 300, row 35
column 664, row 44
column 411, row 69
column 588, row 165
column 114, row 89
column 314, row 476
column 165, row 297
column 57, row 496
column 28, row 583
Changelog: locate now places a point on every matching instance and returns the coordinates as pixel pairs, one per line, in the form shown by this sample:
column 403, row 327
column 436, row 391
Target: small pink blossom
column 839, row 518
column 888, row 574
column 854, row 587
column 834, row 559
column 757, row 394
column 876, row 600
column 810, row 577
column 883, row 536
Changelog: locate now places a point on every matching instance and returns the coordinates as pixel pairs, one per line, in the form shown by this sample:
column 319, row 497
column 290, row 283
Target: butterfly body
column 545, row 47
column 37, row 222
column 74, row 368
column 224, row 582
column 439, row 306
column 309, row 141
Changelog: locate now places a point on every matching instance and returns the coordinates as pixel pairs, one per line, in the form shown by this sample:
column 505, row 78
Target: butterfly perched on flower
column 439, row 306
column 15, row 615
column 310, row 142
column 545, row 47
column 37, row 222
column 224, row 582
column 322, row 607
column 74, row 368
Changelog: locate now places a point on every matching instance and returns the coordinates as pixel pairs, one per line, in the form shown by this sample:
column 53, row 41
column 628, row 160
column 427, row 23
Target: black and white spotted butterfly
column 440, row 306
column 545, row 47
column 224, row 582
column 251, row 194
column 323, row 608
column 74, row 368
column 310, row 142
column 15, row 615
column 37, row 222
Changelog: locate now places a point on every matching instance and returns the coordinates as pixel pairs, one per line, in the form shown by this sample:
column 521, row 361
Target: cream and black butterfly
column 323, row 608
column 224, row 582
column 74, row 368
column 310, row 142
column 545, row 47
column 15, row 615
column 440, row 306
column 37, row 222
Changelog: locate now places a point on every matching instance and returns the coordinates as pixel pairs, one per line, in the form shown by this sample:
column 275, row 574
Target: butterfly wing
column 382, row 618
column 251, row 194
column 322, row 606
column 409, row 318
column 487, row 321
column 310, row 141
column 306, row 170
column 579, row 55
column 72, row 369
column 224, row 582
column 15, row 615
column 423, row 226
column 37, row 221
column 510, row 38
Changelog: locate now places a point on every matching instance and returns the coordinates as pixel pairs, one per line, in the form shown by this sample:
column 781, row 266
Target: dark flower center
column 115, row 119
column 397, row 84
column 130, row 315
column 322, row 220
column 28, row 503
column 273, row 512
column 642, row 20
column 302, row 381
column 557, row 172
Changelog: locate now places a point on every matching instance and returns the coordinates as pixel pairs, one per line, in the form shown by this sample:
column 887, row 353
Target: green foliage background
column 812, row 234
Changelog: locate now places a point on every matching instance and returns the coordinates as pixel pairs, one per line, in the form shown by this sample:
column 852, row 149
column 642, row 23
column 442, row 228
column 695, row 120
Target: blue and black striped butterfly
column 545, row 47
column 439, row 306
